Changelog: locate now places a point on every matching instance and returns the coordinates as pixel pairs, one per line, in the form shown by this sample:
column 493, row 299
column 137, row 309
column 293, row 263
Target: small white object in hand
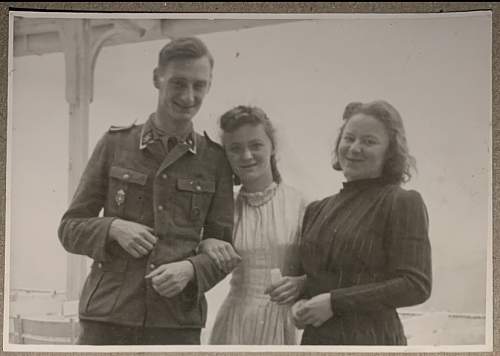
column 275, row 275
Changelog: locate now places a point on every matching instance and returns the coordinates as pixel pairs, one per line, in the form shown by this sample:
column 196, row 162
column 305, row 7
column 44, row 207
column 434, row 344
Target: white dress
column 266, row 232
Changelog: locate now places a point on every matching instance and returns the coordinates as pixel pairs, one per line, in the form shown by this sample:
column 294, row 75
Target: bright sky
column 436, row 72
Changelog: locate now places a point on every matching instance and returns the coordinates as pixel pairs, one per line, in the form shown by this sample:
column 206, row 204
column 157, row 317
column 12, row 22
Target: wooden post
column 75, row 37
column 80, row 58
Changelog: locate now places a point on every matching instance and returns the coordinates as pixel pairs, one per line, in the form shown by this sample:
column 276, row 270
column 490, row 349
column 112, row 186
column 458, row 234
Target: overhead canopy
column 35, row 36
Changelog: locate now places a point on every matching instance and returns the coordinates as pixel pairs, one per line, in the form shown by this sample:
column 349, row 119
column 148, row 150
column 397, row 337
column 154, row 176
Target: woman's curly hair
column 243, row 115
column 398, row 162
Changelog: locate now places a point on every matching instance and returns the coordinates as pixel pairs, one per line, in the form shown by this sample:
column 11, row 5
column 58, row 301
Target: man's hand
column 221, row 252
column 314, row 311
column 137, row 239
column 170, row 279
column 286, row 290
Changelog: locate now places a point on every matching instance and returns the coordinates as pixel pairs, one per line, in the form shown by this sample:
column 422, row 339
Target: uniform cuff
column 102, row 250
column 191, row 290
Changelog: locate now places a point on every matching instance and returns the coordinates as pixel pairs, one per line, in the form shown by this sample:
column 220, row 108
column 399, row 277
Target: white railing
column 421, row 328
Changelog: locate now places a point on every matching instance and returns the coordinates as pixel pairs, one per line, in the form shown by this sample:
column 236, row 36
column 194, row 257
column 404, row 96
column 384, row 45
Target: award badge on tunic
column 120, row 197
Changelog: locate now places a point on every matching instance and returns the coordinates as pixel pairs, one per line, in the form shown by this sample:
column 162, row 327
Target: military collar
column 190, row 141
column 150, row 134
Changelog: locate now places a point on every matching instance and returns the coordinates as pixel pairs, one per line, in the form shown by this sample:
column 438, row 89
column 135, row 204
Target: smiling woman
column 365, row 250
column 372, row 142
column 268, row 215
column 362, row 147
column 250, row 147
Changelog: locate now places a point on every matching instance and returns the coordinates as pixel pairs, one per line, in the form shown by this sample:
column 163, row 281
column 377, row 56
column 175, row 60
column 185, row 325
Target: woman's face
column 363, row 147
column 249, row 151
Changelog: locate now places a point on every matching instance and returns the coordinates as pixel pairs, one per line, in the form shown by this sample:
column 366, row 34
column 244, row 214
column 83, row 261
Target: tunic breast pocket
column 127, row 190
column 193, row 198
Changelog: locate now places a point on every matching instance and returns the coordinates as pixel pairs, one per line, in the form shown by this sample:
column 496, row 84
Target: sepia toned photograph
column 249, row 182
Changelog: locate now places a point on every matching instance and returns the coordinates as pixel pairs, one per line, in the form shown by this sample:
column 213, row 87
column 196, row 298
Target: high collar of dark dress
column 362, row 184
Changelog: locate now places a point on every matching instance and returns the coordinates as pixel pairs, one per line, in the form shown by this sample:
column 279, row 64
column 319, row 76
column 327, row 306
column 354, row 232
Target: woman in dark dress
column 366, row 249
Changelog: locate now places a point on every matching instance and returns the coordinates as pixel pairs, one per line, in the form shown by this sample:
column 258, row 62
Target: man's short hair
column 186, row 47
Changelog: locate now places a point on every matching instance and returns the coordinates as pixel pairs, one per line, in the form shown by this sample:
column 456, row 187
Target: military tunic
column 185, row 195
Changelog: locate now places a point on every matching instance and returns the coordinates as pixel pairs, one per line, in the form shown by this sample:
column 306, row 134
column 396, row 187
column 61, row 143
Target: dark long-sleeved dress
column 368, row 247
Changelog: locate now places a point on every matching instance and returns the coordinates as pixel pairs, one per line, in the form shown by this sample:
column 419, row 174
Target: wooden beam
column 174, row 28
column 77, row 52
column 33, row 36
column 29, row 25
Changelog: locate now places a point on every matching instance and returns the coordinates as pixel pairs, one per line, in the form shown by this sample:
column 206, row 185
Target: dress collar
column 359, row 184
column 259, row 198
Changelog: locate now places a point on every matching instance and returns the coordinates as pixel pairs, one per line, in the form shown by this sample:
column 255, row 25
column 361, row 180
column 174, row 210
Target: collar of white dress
column 259, row 198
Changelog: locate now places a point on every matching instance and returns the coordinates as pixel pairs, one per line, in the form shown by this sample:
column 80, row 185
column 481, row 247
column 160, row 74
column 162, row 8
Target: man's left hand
column 221, row 252
column 170, row 279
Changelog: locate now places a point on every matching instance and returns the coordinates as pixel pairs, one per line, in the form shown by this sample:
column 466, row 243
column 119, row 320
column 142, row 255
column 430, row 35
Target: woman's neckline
column 357, row 184
column 259, row 198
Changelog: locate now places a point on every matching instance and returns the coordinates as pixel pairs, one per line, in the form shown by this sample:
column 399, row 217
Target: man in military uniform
column 163, row 188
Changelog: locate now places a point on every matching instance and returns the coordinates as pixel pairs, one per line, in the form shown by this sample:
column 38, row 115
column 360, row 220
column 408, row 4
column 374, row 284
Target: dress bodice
column 266, row 230
column 267, row 226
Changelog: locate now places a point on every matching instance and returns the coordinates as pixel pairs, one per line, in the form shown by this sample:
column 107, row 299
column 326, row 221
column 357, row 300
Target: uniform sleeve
column 81, row 231
column 218, row 225
column 409, row 272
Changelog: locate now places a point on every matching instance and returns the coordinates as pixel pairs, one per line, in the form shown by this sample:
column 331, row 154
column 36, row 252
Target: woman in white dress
column 268, row 216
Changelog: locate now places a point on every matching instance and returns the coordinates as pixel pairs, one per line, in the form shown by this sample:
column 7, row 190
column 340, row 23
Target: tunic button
column 198, row 188
column 164, row 176
column 99, row 265
column 126, row 176
column 152, row 266
column 160, row 207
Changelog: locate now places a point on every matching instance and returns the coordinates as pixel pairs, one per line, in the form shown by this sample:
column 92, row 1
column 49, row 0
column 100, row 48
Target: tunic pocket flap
column 128, row 175
column 196, row 185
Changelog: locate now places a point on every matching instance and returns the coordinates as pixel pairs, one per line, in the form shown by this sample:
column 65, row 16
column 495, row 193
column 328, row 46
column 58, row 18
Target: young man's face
column 182, row 85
